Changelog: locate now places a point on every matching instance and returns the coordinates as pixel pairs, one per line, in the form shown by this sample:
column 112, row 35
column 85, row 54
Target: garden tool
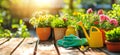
column 83, row 48
column 72, row 41
column 95, row 39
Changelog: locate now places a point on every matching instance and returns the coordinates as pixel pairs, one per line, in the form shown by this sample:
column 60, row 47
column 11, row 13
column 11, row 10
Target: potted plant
column 42, row 23
column 115, row 12
column 106, row 23
column 59, row 27
column 113, row 40
column 88, row 19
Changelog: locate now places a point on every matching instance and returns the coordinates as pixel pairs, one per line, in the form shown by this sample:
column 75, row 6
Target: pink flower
column 104, row 18
column 64, row 19
column 89, row 11
column 100, row 12
column 114, row 22
column 107, row 18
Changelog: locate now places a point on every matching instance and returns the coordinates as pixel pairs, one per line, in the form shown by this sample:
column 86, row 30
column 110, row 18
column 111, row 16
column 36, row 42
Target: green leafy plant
column 89, row 20
column 58, row 23
column 113, row 35
column 6, row 33
column 5, row 17
column 115, row 12
column 1, row 21
column 1, row 18
column 69, row 20
column 22, row 30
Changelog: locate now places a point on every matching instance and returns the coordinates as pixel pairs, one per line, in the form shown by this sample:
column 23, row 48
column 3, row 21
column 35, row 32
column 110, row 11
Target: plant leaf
column 15, row 26
column 21, row 22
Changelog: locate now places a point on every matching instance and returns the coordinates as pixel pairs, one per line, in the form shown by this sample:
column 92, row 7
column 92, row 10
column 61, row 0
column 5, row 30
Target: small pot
column 113, row 46
column 59, row 33
column 43, row 33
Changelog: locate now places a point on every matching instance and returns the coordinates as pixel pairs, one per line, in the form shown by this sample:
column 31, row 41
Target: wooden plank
column 94, row 51
column 3, row 40
column 9, row 46
column 108, row 52
column 46, row 48
column 27, row 47
column 69, row 51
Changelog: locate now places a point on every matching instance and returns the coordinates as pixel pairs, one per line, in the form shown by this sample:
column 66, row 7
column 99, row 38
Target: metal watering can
column 95, row 39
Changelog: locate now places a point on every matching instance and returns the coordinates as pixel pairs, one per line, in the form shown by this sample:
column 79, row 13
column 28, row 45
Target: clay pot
column 103, row 34
column 43, row 33
column 113, row 46
column 59, row 33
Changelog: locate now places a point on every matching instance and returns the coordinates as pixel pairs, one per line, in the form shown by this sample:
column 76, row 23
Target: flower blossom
column 64, row 19
column 100, row 12
column 89, row 11
column 75, row 13
column 104, row 18
column 114, row 22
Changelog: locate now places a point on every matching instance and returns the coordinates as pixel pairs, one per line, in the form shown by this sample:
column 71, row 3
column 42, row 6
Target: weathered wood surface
column 69, row 51
column 3, row 40
column 94, row 51
column 46, row 48
column 26, row 48
column 110, row 53
column 8, row 47
column 31, row 46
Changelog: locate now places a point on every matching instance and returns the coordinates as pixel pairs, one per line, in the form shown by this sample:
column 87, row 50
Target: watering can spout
column 84, row 30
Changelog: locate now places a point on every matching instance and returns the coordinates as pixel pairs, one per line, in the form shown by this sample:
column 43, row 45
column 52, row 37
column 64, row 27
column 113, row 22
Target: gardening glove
column 71, row 41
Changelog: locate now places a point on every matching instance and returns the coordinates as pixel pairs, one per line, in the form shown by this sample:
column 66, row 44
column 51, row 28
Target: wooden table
column 31, row 46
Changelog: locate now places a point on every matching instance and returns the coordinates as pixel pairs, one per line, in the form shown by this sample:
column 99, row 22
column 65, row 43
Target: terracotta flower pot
column 59, row 33
column 43, row 33
column 113, row 46
column 103, row 35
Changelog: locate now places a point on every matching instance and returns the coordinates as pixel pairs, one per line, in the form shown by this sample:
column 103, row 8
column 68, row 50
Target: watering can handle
column 94, row 28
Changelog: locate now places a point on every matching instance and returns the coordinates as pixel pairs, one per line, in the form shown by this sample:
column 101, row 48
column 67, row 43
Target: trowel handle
column 93, row 27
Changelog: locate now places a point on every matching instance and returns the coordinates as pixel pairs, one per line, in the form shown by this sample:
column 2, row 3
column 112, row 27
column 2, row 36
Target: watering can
column 71, row 30
column 95, row 39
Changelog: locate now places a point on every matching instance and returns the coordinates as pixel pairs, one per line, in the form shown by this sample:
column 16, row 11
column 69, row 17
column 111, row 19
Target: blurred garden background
column 15, row 14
